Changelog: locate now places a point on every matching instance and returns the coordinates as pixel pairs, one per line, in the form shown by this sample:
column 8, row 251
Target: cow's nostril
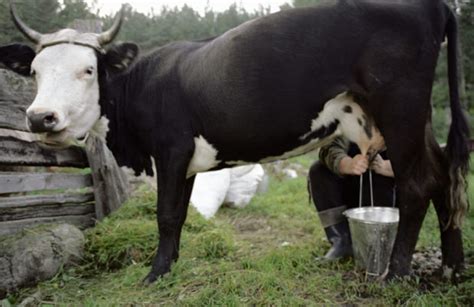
column 50, row 120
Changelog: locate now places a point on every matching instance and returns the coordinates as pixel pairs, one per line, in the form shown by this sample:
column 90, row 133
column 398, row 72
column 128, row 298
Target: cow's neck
column 119, row 98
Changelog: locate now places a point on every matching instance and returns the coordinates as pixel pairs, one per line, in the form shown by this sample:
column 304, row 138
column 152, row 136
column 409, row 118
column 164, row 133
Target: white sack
column 244, row 183
column 209, row 191
column 235, row 186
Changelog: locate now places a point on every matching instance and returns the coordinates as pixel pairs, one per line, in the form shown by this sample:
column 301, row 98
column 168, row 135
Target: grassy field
column 266, row 254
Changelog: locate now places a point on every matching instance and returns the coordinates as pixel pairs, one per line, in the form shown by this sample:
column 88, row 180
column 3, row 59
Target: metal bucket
column 373, row 232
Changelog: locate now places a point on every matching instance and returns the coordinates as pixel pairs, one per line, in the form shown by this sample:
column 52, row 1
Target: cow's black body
column 253, row 92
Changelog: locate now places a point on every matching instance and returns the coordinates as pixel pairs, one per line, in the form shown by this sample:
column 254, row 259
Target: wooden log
column 27, row 182
column 16, row 94
column 22, row 153
column 48, row 210
column 110, row 183
column 16, row 89
column 13, row 117
column 39, row 200
column 81, row 221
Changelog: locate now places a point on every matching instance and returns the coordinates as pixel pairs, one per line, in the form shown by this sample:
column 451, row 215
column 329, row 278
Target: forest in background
column 154, row 29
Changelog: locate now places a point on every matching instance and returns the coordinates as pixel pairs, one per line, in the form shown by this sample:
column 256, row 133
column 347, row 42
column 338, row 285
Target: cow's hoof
column 153, row 276
column 453, row 275
column 149, row 279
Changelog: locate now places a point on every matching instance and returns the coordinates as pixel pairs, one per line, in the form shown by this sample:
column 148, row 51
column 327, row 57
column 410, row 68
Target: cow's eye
column 32, row 72
column 89, row 71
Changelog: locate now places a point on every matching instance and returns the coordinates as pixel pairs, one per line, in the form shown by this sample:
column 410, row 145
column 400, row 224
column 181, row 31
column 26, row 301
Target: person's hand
column 382, row 167
column 354, row 166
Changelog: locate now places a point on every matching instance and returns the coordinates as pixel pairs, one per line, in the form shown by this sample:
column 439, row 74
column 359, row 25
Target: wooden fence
column 40, row 185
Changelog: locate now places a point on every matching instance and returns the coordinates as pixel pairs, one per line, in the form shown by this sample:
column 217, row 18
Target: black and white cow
column 271, row 88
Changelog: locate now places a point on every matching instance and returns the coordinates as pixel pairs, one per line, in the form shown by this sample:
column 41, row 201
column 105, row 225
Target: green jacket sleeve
column 332, row 154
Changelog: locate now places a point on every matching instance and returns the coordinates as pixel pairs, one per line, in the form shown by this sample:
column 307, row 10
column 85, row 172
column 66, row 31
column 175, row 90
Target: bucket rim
column 378, row 208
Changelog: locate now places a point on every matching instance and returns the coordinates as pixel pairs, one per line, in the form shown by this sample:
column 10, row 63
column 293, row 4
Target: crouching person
column 334, row 183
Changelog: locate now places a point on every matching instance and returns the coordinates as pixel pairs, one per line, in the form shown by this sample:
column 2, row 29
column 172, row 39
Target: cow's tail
column 457, row 148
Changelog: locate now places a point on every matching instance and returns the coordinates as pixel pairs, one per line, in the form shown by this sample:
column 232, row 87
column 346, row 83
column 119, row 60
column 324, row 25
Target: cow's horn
column 31, row 34
column 107, row 36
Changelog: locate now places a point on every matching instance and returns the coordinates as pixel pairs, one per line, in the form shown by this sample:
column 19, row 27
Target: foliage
column 42, row 15
column 302, row 3
column 467, row 38
column 214, row 244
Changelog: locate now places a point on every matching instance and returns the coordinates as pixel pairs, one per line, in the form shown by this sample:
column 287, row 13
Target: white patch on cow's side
column 67, row 81
column 204, row 157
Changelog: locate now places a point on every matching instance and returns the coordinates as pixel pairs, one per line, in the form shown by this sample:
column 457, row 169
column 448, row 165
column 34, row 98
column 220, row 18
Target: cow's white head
column 65, row 66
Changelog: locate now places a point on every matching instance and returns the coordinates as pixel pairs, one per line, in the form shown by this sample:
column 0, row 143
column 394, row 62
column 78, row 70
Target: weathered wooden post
column 110, row 183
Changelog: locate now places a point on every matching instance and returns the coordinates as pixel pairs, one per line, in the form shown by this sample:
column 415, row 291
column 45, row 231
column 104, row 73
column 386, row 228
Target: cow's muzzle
column 42, row 122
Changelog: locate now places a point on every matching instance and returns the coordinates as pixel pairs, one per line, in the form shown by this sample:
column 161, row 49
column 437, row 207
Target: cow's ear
column 120, row 56
column 17, row 57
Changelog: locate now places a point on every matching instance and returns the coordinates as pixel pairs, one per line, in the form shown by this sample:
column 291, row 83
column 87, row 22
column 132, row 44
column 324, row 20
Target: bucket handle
column 371, row 186
column 361, row 186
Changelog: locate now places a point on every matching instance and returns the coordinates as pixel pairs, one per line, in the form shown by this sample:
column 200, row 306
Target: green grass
column 266, row 254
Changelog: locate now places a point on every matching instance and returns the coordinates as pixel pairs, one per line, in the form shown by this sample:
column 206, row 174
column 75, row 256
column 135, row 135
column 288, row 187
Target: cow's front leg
column 171, row 207
column 188, row 189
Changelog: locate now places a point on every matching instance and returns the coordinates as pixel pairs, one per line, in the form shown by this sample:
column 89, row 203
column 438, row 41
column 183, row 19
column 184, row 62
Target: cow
column 272, row 88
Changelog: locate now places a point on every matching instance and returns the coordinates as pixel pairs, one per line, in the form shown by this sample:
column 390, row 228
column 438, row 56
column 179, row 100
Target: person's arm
column 382, row 167
column 334, row 157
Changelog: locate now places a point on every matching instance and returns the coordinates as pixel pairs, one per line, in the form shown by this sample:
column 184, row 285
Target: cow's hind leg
column 401, row 111
column 451, row 236
column 451, row 240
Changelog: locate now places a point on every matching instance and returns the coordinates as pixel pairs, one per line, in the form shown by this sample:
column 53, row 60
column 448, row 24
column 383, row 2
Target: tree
column 230, row 18
column 301, row 3
column 40, row 15
column 74, row 9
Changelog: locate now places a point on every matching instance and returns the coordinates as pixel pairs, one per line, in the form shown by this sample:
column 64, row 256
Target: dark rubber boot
column 340, row 238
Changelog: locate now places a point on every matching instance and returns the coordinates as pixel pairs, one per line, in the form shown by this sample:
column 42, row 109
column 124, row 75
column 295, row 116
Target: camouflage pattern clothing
column 332, row 154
